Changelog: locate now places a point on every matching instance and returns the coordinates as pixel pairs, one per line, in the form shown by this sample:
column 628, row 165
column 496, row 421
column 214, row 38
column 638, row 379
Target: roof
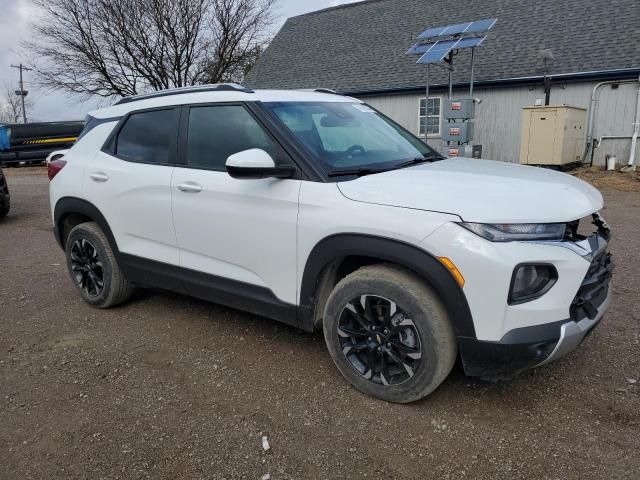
column 359, row 47
column 207, row 95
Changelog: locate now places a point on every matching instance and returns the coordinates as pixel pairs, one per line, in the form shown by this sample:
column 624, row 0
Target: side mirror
column 254, row 164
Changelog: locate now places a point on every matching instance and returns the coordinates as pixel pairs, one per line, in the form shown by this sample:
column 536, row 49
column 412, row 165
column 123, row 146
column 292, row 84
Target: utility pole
column 22, row 92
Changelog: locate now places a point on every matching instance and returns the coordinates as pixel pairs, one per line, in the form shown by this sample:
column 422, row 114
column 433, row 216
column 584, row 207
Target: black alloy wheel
column 86, row 267
column 379, row 340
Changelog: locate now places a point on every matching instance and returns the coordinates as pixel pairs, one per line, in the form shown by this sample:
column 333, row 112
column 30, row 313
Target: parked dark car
column 5, row 202
column 33, row 142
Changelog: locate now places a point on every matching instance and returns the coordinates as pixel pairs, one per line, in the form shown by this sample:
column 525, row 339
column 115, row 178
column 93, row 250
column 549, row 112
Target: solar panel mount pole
column 450, row 62
column 426, row 109
column 473, row 51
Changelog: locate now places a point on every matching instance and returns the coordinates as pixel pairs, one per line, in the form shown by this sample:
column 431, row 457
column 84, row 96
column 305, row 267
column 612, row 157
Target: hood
column 481, row 191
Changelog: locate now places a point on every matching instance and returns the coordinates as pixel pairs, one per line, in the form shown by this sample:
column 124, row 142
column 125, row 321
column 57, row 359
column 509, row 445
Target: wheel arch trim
column 72, row 205
column 390, row 250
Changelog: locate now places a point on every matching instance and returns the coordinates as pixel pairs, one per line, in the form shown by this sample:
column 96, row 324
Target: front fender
column 387, row 250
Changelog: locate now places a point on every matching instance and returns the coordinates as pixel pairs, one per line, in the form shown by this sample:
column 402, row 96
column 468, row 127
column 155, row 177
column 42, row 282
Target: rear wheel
column 389, row 334
column 4, row 211
column 93, row 267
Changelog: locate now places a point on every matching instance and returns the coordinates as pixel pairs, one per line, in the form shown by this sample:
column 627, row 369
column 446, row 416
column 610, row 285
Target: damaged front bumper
column 524, row 348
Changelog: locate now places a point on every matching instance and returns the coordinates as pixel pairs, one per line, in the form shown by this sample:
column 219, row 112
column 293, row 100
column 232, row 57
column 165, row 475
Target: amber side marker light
column 453, row 269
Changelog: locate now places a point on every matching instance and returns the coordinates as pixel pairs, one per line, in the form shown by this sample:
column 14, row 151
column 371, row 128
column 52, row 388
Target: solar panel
column 418, row 49
column 470, row 42
column 458, row 29
column 481, row 25
column 438, row 51
column 432, row 32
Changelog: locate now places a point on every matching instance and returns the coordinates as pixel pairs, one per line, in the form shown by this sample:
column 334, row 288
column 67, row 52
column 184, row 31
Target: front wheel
column 93, row 267
column 389, row 334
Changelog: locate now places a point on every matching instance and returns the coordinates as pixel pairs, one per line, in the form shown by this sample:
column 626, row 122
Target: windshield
column 347, row 136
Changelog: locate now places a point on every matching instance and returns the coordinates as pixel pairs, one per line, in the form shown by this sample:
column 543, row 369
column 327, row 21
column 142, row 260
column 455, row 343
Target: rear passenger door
column 239, row 232
column 129, row 181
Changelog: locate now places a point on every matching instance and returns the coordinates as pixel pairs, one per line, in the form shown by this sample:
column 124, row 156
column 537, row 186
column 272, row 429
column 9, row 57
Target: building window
column 432, row 118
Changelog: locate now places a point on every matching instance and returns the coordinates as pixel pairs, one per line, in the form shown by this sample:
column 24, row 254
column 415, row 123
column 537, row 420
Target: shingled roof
column 359, row 48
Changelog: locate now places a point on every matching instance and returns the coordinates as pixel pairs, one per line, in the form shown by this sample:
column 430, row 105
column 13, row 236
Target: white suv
column 316, row 210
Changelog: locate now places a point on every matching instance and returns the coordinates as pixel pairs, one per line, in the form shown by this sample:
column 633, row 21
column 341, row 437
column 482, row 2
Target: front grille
column 594, row 288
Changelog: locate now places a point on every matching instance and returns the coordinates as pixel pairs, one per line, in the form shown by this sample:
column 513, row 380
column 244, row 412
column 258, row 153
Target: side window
column 216, row 132
column 148, row 137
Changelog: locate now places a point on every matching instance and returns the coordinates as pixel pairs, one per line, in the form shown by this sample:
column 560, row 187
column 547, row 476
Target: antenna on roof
column 441, row 44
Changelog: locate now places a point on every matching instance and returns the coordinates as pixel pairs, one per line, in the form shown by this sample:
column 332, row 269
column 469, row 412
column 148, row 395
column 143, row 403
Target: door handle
column 99, row 177
column 190, row 187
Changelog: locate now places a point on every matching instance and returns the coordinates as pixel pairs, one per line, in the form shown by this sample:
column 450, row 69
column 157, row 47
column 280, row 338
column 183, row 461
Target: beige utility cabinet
column 552, row 135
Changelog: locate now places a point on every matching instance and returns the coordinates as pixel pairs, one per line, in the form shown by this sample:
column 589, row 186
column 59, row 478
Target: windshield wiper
column 418, row 160
column 359, row 172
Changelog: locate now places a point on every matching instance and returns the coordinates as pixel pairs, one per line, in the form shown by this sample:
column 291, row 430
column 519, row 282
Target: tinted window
column 148, row 136
column 216, row 132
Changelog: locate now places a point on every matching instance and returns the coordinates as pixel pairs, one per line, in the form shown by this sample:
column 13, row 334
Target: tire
column 86, row 268
column 4, row 211
column 420, row 322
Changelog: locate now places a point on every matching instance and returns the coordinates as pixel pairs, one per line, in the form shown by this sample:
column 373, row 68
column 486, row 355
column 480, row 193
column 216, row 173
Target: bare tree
column 107, row 48
column 10, row 106
column 237, row 36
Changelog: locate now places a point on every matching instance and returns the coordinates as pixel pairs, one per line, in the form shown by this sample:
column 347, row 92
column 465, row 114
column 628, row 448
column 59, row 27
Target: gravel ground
column 171, row 387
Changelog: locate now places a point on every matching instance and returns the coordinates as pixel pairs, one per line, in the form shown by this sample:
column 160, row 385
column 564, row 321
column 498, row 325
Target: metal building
column 358, row 49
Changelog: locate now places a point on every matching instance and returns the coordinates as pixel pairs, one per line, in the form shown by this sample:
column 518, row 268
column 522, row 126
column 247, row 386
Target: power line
column 22, row 92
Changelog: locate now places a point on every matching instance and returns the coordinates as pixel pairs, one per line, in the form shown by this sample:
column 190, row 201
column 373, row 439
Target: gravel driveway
column 171, row 387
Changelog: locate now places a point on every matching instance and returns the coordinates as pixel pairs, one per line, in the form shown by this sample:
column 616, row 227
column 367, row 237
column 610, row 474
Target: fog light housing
column 531, row 281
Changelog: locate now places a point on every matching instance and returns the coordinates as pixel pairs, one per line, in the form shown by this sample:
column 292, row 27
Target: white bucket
column 611, row 163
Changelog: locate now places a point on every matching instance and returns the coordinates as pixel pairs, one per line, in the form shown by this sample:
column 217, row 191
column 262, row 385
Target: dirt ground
column 604, row 180
column 168, row 387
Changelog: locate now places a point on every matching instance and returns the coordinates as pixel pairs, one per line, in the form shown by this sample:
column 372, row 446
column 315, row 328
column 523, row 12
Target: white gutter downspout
column 595, row 94
column 636, row 131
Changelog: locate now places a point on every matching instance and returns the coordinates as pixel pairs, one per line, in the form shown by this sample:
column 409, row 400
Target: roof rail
column 213, row 87
column 325, row 90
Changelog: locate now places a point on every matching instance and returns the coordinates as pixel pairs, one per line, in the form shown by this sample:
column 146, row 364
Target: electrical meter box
column 458, row 132
column 462, row 109
column 552, row 135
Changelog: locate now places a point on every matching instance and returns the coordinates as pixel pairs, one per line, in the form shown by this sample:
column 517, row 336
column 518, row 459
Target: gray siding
column 499, row 117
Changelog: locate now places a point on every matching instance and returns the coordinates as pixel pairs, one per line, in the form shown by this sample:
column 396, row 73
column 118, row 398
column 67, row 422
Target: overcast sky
column 15, row 19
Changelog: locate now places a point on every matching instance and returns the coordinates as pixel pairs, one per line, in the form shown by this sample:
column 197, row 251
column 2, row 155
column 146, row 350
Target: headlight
column 500, row 232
